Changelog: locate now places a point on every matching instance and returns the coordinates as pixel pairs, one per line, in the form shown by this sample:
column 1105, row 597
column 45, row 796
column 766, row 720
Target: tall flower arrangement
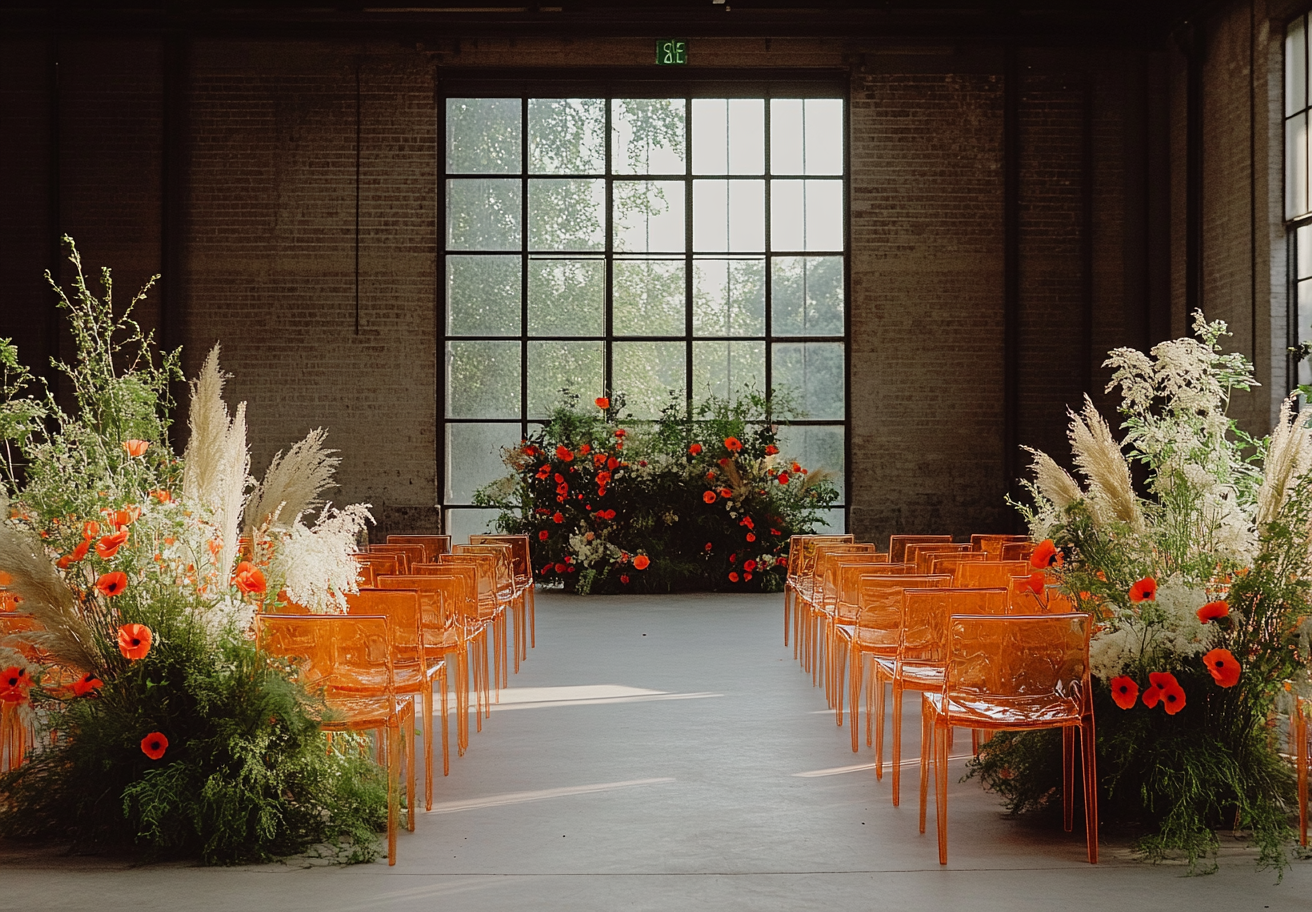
column 699, row 499
column 1200, row 588
column 154, row 719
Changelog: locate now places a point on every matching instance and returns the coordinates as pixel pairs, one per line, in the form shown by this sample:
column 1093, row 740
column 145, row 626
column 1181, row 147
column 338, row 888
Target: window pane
column 482, row 295
column 728, row 136
column 566, row 214
column 648, row 136
column 786, row 137
column 464, row 522
column 566, row 297
column 1296, row 165
column 807, row 296
column 806, row 215
column 1303, row 331
column 649, row 217
column 1303, row 240
column 1295, row 67
column 806, row 136
column 567, row 136
column 482, row 214
column 473, row 457
column 816, row 448
column 811, row 373
column 649, row 298
column 724, row 368
column 482, row 379
column 646, row 373
column 831, row 522
column 482, row 135
column 557, row 366
column 729, row 297
column 728, row 216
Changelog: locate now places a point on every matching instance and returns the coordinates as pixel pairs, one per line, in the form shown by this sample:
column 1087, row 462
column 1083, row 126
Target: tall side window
column 1298, row 200
column 655, row 247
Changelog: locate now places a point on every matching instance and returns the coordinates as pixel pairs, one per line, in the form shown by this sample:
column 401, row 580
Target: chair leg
column 1090, row 758
column 1300, row 755
column 840, row 680
column 897, row 740
column 854, row 689
column 532, row 616
column 926, row 745
column 1068, row 778
column 411, row 806
column 942, row 733
column 787, row 611
column 879, row 701
column 393, row 788
column 446, row 749
column 427, row 704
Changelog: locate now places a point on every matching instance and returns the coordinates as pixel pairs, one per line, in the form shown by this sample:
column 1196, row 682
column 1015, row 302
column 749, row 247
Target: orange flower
column 1033, row 583
column 620, row 432
column 1169, row 689
column 1046, row 555
column 732, row 444
column 1223, row 667
column 1213, row 611
column 733, row 577
column 542, row 536
column 560, row 568
column 154, row 745
column 641, row 562
column 726, row 493
column 602, row 402
column 751, row 536
column 1124, row 691
column 108, row 546
column 749, row 565
column 603, row 479
column 90, row 529
column 557, row 517
column 695, row 448
column 136, row 447
column 564, row 454
column 1151, row 696
column 796, row 468
column 782, row 478
column 709, row 497
column 88, row 683
column 249, row 578
column 162, row 496
column 585, row 449
column 134, row 641
column 111, row 584
column 127, row 516
column 771, row 449
column 1144, row 591
column 624, row 578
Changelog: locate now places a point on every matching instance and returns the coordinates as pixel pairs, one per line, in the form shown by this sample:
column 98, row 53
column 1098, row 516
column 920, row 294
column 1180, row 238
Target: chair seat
column 1019, row 714
column 914, row 677
column 364, row 713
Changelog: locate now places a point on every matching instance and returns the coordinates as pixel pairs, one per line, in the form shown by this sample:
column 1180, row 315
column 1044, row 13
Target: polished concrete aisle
column 666, row 753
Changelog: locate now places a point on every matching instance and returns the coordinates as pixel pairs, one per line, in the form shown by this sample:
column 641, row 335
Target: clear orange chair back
column 1034, row 667
column 992, row 544
column 401, row 607
column 378, row 564
column 879, row 606
column 433, row 545
column 827, row 553
column 989, row 574
column 921, row 553
column 897, row 545
column 1017, row 550
column 406, row 554
column 432, row 593
column 848, row 574
column 505, row 559
column 946, row 562
column 923, row 639
column 519, row 551
column 341, row 655
column 485, row 578
column 461, row 598
column 806, row 545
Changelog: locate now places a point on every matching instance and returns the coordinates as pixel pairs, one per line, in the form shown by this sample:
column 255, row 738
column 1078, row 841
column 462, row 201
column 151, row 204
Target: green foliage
column 596, row 498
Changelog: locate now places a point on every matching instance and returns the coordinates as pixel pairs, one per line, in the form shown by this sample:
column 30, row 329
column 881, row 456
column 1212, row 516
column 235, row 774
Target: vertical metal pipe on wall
column 1011, row 272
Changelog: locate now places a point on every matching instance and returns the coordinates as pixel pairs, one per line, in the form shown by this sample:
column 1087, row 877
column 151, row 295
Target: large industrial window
column 645, row 246
column 1298, row 205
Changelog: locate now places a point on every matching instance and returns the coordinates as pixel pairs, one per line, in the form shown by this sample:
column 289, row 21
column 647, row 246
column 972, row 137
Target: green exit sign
column 671, row 52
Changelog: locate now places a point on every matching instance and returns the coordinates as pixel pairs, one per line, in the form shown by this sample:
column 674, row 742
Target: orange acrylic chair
column 897, row 545
column 349, row 659
column 801, row 551
column 878, row 617
column 946, row 562
column 433, row 545
column 495, row 597
column 991, row 544
column 1300, row 749
column 523, row 568
column 921, row 553
column 460, row 597
column 836, row 597
column 1017, row 550
column 988, row 574
column 415, row 672
column 510, row 593
column 1014, row 673
column 373, row 565
column 921, row 654
column 406, row 555
column 810, row 597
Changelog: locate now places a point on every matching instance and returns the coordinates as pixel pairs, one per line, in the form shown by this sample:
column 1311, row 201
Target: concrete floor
column 666, row 753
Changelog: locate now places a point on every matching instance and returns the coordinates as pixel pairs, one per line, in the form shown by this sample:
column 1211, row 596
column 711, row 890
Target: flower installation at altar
column 1201, row 590
column 129, row 676
column 700, row 498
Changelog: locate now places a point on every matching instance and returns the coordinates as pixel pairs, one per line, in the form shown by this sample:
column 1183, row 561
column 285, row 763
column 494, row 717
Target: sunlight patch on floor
column 585, row 695
column 509, row 798
column 839, row 770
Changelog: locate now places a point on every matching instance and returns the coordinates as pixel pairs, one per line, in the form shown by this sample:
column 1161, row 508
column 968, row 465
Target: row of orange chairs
column 961, row 623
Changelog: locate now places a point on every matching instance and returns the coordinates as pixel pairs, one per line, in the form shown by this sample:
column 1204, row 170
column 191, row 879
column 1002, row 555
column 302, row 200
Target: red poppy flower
column 708, row 546
column 560, row 568
column 726, row 493
column 531, row 450
column 1046, row 555
column 624, row 578
column 564, row 454
column 1173, row 699
column 1213, row 611
column 108, row 546
column 111, row 584
column 585, row 449
column 709, row 497
column 1124, row 691
column 796, row 468
column 90, row 529
column 1033, row 583
column 733, row 577
column 1223, row 667
column 612, row 463
column 557, row 517
column 733, row 558
column 542, row 536
column 1151, row 696
column 782, row 478
column 695, row 448
column 127, row 516
column 749, row 565
column 732, row 444
column 249, row 578
column 136, row 447
column 641, row 562
column 602, row 402
column 80, row 551
column 620, row 432
column 751, row 536
column 746, row 577
column 771, row 449
column 162, row 496
column 154, row 745
column 1144, row 591
column 86, row 684
column 603, row 479
column 134, row 641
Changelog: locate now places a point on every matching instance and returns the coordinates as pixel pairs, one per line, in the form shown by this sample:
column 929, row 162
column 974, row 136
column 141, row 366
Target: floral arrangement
column 151, row 717
column 1201, row 590
column 699, row 499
